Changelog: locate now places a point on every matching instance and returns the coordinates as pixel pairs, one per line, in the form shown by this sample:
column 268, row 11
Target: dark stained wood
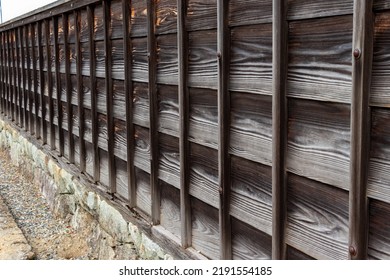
column 42, row 82
column 49, row 79
column 116, row 19
column 294, row 254
column 379, row 230
column 183, row 110
column 37, row 124
column 317, row 218
column 128, row 90
column 170, row 208
column 279, row 129
column 304, row 9
column 167, row 13
column 381, row 5
column 138, row 18
column 167, row 59
column 140, row 104
column 23, row 76
column 360, row 128
column 249, row 12
column 201, row 15
column 14, row 94
column 3, row 69
column 168, row 110
column 143, row 191
column 320, row 59
column 319, row 141
column 29, row 83
column 19, row 93
column 248, row 243
column 121, row 179
column 153, row 111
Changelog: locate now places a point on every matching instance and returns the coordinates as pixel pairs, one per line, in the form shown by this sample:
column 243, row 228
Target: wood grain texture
column 116, row 25
column 138, row 18
column 251, row 194
column 120, row 139
column 379, row 230
column 294, row 254
column 98, row 23
column 119, row 102
column 303, row 9
column 381, row 5
column 142, row 148
column 205, row 234
column 167, row 62
column 203, row 123
column 319, row 141
column 317, row 219
column 248, row 243
column 201, row 15
column 142, row 182
column 202, row 61
column 168, row 110
column 84, row 26
column 169, row 161
column 141, row 104
column 170, row 208
column 204, row 174
column 140, row 60
column 249, row 12
column 251, row 59
column 380, row 78
column 117, row 65
column 251, row 127
column 121, row 178
column 166, row 19
column 379, row 167
column 320, row 59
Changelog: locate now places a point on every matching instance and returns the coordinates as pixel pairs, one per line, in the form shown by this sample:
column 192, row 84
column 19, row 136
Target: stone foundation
column 112, row 236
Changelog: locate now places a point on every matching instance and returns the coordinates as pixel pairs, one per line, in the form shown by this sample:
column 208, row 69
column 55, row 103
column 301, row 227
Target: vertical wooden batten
column 29, row 94
column 23, row 77
column 68, row 88
column 109, row 95
column 14, row 77
column 42, row 85
column 2, row 73
column 279, row 126
column 58, row 86
column 35, row 90
column 127, row 57
column 360, row 127
column 49, row 86
column 80, row 97
column 92, row 73
column 153, row 111
column 183, row 96
column 223, row 46
column 18, row 70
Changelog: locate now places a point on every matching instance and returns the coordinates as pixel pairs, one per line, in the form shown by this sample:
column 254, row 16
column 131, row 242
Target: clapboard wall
column 247, row 129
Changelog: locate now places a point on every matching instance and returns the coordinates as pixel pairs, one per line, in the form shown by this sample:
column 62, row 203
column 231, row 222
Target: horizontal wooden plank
column 249, row 12
column 169, row 160
column 138, row 18
column 201, row 14
column 98, row 23
column 142, row 148
column 168, row 110
column 317, row 218
column 319, row 141
column 120, row 139
column 304, row 9
column 248, row 243
column 143, row 194
column 116, row 25
column 251, row 127
column 381, row 5
column 141, row 104
column 380, row 81
column 118, row 64
column 251, row 191
column 251, row 59
column 170, row 209
column 140, row 60
column 320, row 61
column 379, row 233
column 379, row 166
column 166, row 18
column 121, row 178
column 294, row 254
column 167, row 62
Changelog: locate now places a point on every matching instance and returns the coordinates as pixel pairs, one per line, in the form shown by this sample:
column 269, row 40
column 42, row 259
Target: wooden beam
column 58, row 86
column 50, row 86
column 223, row 46
column 92, row 74
column 360, row 127
column 279, row 126
column 68, row 87
column 42, row 85
column 184, row 147
column 153, row 111
column 127, row 57
column 80, row 97
column 109, row 95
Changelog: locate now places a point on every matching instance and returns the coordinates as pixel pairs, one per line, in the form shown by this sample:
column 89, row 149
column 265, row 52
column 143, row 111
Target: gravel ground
column 50, row 237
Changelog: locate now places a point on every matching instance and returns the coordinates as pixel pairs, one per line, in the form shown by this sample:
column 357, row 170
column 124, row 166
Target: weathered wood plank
column 120, row 142
column 169, row 160
column 140, row 60
column 317, row 218
column 121, row 178
column 248, row 243
column 116, row 19
column 251, row 199
column 251, row 59
column 141, row 148
column 167, row 59
column 170, row 208
column 29, row 82
column 360, row 128
column 201, row 15
column 251, row 127
column 19, row 78
column 167, row 14
column 320, row 59
column 381, row 5
column 138, row 18
column 304, row 9
column 168, row 110
column 319, row 141
column 37, row 124
column 249, row 12
column 140, row 104
column 143, row 191
column 379, row 230
column 118, row 64
column 294, row 254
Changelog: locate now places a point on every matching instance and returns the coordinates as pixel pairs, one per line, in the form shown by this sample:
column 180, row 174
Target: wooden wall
column 247, row 129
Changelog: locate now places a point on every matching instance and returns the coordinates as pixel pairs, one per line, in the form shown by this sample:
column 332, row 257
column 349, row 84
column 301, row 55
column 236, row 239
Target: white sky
column 14, row 8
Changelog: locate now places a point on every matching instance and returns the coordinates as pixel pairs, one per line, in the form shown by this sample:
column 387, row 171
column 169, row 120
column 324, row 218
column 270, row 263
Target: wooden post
column 127, row 57
column 184, row 147
column 223, row 47
column 92, row 74
column 58, row 86
column 153, row 110
column 279, row 126
column 360, row 127
column 109, row 95
column 80, row 97
column 42, row 85
column 50, row 86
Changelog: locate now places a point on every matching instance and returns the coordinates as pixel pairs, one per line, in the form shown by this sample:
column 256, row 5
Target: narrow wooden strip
column 58, row 86
column 14, row 77
column 19, row 102
column 42, row 85
column 80, row 97
column 29, row 85
column 23, row 76
column 2, row 73
column 153, row 111
column 92, row 74
column 360, row 127
column 127, row 57
column 68, row 87
column 9, row 74
column 35, row 78
column 223, row 43
column 109, row 95
column 279, row 129
column 184, row 147
column 49, row 86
